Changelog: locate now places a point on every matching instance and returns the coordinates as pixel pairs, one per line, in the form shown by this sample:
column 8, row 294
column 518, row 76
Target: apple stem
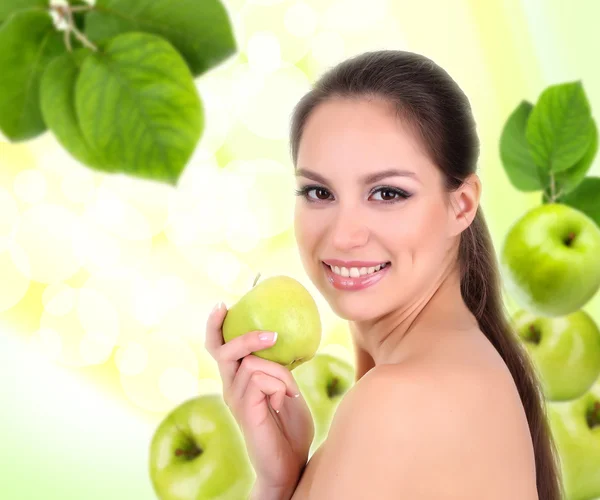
column 593, row 417
column 189, row 454
column 332, row 388
column 570, row 238
column 534, row 335
column 255, row 280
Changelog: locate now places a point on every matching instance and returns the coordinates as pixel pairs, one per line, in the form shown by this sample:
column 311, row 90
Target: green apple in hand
column 323, row 381
column 280, row 304
column 197, row 453
column 565, row 351
column 551, row 260
column 575, row 427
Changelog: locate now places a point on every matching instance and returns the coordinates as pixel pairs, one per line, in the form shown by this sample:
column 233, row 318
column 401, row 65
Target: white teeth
column 355, row 272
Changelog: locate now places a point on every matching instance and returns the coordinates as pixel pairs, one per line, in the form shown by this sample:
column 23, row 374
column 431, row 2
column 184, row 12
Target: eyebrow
column 367, row 179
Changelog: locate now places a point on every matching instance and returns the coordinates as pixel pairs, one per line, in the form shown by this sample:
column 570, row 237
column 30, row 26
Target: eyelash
column 304, row 191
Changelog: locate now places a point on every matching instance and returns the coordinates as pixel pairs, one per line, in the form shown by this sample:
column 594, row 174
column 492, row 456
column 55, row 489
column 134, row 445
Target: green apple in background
column 565, row 351
column 323, row 382
column 198, row 453
column 575, row 427
column 280, row 304
column 550, row 260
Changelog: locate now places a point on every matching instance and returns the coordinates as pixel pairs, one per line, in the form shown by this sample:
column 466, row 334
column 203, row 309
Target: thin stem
column 79, row 35
column 553, row 196
column 559, row 194
column 552, row 188
column 66, row 12
column 68, row 41
column 81, row 8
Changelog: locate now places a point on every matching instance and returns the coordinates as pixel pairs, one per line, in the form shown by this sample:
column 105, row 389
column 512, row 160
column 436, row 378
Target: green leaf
column 569, row 179
column 57, row 101
column 8, row 7
column 586, row 198
column 199, row 29
column 515, row 155
column 28, row 42
column 558, row 129
column 138, row 106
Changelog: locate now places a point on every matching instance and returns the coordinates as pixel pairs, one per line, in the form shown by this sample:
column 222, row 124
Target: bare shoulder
column 443, row 427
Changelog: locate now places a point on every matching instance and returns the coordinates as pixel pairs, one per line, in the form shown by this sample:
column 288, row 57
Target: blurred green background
column 106, row 281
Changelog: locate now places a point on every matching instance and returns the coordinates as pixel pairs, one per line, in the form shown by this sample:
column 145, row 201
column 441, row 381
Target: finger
column 262, row 386
column 251, row 364
column 214, row 341
column 214, row 335
column 229, row 354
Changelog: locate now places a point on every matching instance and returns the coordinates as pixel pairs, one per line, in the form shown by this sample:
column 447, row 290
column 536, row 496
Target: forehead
column 359, row 135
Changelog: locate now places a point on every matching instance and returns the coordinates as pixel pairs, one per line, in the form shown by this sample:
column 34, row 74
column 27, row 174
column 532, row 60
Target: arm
column 263, row 492
column 260, row 492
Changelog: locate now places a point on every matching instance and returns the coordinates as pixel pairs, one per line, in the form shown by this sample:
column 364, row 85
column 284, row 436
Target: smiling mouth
column 363, row 271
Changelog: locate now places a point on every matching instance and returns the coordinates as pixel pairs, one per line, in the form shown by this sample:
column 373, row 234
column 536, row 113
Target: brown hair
column 437, row 110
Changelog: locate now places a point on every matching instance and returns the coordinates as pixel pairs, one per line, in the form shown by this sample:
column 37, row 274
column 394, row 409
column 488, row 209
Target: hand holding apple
column 266, row 402
column 550, row 260
column 197, row 453
column 280, row 304
column 564, row 350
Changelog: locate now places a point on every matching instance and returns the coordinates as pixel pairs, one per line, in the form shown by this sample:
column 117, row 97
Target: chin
column 349, row 311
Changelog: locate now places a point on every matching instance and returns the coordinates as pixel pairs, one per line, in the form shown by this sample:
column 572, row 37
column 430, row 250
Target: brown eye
column 391, row 194
column 323, row 192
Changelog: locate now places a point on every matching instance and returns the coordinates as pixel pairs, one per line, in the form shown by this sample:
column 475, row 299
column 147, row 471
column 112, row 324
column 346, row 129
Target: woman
column 389, row 229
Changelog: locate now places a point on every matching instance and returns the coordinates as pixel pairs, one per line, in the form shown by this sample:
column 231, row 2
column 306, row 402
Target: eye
column 390, row 194
column 318, row 189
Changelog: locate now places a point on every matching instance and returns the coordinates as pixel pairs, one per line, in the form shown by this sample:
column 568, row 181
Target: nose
column 348, row 230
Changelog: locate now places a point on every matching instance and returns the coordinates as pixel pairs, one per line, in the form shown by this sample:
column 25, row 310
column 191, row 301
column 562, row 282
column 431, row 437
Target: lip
column 349, row 283
column 353, row 263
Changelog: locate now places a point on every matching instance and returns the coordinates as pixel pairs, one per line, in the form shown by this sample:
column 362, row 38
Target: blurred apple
column 550, row 260
column 323, row 382
column 575, row 426
column 198, row 453
column 564, row 350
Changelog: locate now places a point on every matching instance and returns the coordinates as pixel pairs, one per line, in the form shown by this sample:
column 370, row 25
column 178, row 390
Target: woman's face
column 401, row 219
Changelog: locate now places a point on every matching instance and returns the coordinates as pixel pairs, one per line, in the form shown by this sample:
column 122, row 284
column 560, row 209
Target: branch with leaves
column 116, row 88
column 551, row 146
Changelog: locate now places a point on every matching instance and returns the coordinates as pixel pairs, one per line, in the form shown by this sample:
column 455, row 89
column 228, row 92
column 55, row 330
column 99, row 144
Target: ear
column 464, row 203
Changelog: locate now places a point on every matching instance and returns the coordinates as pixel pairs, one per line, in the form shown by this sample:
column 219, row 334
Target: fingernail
column 217, row 307
column 297, row 395
column 268, row 336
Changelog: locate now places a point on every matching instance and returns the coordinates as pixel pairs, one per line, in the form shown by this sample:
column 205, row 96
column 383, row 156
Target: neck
column 413, row 326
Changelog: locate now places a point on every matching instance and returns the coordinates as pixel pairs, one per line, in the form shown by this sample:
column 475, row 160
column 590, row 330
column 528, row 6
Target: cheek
column 298, row 221
column 422, row 232
column 304, row 229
